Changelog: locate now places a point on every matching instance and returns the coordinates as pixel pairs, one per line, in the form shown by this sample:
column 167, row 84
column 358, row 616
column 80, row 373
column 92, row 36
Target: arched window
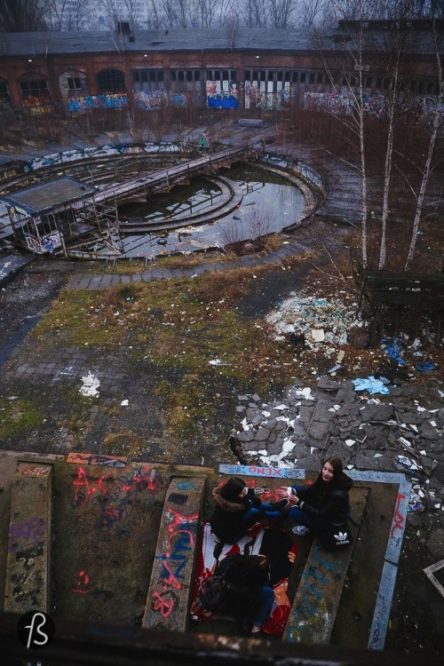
column 35, row 88
column 73, row 83
column 110, row 81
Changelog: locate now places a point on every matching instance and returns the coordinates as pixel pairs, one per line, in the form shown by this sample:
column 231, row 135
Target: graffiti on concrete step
column 165, row 602
column 253, row 470
column 179, row 546
column 35, row 470
column 186, row 485
column 96, row 459
column 81, row 584
column 398, row 522
column 31, row 531
column 113, row 496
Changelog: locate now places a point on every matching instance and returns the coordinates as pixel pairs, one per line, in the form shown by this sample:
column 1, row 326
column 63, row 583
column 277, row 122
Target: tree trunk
column 428, row 163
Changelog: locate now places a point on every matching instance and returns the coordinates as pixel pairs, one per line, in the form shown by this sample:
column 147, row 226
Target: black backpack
column 214, row 593
column 337, row 538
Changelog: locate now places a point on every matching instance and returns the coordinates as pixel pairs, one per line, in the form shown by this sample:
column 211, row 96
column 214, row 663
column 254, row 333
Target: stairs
column 125, row 538
column 171, row 582
column 27, row 567
column 318, row 596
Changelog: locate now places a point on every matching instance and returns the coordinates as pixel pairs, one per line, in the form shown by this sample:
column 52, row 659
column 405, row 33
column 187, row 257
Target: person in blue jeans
column 237, row 507
column 249, row 596
column 324, row 506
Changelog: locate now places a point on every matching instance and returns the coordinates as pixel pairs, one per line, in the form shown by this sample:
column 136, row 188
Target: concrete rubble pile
column 393, row 433
column 323, row 324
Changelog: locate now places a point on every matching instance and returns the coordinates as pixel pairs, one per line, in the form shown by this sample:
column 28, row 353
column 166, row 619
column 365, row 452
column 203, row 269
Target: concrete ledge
column 172, row 573
column 317, row 598
column 27, row 567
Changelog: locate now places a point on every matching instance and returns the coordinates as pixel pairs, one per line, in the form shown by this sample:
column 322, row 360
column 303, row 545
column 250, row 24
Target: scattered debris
column 370, row 384
column 90, row 386
column 393, row 349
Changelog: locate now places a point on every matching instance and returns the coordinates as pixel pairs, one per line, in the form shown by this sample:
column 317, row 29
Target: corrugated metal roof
column 38, row 198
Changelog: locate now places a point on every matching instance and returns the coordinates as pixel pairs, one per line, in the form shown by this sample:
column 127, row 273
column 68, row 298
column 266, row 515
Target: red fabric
column 206, row 566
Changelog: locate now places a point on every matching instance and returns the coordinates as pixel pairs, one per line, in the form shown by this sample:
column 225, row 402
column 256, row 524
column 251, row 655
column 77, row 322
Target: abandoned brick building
column 243, row 69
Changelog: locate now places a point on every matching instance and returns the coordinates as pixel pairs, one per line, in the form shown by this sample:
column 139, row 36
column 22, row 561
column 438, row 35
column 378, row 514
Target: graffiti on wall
column 151, row 101
column 116, row 101
column 95, row 152
column 178, row 550
column 44, row 244
column 160, row 99
column 342, row 102
column 222, row 95
column 260, row 95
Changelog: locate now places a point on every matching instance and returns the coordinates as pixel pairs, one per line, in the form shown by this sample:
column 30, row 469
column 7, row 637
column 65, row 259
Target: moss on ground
column 189, row 331
column 18, row 417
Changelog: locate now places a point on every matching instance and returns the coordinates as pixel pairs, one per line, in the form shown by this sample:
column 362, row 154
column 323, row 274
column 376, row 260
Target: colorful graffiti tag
column 180, row 542
column 259, row 96
column 113, row 496
column 222, row 95
column 107, row 101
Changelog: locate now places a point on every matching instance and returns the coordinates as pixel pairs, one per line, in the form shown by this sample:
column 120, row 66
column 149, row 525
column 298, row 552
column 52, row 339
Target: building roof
column 161, row 41
column 43, row 197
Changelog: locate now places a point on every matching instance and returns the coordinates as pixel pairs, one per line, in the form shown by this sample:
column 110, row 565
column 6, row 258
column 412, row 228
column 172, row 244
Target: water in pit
column 268, row 203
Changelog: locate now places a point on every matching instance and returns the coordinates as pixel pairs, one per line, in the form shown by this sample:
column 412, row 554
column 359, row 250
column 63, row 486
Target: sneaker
column 300, row 530
column 279, row 505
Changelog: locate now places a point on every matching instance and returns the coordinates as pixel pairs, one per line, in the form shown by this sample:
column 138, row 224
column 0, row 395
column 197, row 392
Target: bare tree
column 255, row 13
column 350, row 87
column 21, row 15
column 66, row 14
column 437, row 120
column 281, row 12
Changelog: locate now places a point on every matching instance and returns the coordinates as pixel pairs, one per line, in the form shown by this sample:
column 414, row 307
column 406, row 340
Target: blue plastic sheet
column 393, row 348
column 370, row 384
column 426, row 366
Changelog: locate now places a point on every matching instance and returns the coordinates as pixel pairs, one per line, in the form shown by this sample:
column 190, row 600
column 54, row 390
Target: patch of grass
column 123, row 443
column 190, row 333
column 18, row 418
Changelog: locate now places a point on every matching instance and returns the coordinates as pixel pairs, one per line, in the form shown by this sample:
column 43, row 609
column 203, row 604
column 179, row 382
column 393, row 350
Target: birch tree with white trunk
column 436, row 123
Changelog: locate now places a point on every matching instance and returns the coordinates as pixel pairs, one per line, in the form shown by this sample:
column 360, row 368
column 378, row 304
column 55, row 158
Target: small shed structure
column 44, row 215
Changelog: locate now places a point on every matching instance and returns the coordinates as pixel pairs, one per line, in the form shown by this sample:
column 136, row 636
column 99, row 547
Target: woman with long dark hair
column 323, row 506
column 237, row 507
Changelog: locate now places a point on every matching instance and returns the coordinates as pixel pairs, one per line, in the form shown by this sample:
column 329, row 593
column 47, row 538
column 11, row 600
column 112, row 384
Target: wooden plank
column 27, row 565
column 172, row 573
column 317, row 598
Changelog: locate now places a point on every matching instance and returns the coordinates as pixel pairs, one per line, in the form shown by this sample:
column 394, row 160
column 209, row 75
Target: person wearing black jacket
column 249, row 596
column 323, row 506
column 237, row 507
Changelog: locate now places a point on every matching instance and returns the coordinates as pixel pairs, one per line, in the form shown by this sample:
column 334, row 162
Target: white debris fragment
column 90, row 386
column 124, row 403
column 217, row 361
column 305, row 393
column 288, row 445
column 317, row 335
column 350, row 442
